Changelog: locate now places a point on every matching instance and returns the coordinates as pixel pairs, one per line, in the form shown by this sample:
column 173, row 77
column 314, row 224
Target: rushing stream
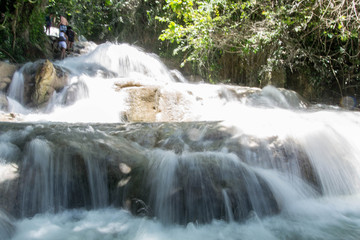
column 215, row 161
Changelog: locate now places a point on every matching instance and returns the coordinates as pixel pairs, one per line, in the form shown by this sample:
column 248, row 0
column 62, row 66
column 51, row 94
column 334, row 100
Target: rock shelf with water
column 111, row 145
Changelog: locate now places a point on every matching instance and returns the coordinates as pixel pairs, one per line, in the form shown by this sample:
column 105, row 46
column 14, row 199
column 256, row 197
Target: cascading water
column 215, row 161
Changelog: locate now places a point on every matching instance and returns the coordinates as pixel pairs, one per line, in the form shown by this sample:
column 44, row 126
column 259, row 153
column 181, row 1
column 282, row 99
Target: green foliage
column 21, row 29
column 322, row 35
column 204, row 30
column 101, row 20
column 36, row 25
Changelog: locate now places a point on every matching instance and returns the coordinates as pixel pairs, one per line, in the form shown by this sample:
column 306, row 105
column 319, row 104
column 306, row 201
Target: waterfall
column 229, row 215
column 38, row 187
column 131, row 150
column 16, row 89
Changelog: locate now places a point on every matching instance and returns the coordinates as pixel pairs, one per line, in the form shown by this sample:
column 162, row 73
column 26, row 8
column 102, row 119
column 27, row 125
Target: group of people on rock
column 66, row 35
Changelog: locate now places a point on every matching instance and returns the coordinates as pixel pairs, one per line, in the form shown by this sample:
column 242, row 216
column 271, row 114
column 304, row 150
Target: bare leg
column 63, row 52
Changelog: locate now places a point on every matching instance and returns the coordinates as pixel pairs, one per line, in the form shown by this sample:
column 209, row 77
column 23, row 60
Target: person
column 63, row 23
column 48, row 20
column 62, row 44
column 71, row 37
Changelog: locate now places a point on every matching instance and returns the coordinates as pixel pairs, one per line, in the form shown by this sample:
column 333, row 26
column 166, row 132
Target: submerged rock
column 74, row 92
column 3, row 102
column 175, row 172
column 7, row 228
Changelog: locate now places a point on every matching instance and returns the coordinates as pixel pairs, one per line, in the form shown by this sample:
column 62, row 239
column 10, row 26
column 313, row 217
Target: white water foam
column 329, row 137
column 329, row 219
column 100, row 70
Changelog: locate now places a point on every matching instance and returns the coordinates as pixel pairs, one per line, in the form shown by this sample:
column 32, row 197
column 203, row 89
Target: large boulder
column 182, row 181
column 41, row 80
column 44, row 80
column 7, row 70
column 53, row 168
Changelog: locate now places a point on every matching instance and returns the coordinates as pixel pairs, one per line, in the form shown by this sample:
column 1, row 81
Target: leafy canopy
column 323, row 34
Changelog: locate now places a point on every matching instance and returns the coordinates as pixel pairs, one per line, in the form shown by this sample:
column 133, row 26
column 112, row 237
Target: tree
column 325, row 34
column 108, row 20
column 320, row 36
column 22, row 21
column 21, row 28
column 204, row 30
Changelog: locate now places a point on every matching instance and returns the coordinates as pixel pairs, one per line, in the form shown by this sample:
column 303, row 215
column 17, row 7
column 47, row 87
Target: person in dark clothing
column 71, row 37
column 48, row 20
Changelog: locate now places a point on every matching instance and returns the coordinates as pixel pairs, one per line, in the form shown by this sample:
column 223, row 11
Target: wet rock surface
column 7, row 71
column 176, row 172
column 41, row 79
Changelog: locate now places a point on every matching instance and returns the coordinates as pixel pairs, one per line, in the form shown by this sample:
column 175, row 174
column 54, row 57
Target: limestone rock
column 149, row 103
column 42, row 79
column 46, row 82
column 6, row 72
column 10, row 117
column 143, row 104
column 190, row 186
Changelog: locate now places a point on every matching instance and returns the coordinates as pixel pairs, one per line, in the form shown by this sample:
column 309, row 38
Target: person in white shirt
column 62, row 44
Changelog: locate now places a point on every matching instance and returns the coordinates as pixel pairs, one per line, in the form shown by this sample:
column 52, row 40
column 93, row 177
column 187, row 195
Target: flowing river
column 141, row 153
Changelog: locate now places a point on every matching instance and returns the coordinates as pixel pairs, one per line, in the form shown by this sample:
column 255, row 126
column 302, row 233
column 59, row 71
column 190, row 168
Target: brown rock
column 42, row 79
column 7, row 70
column 153, row 104
column 143, row 104
column 10, row 117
